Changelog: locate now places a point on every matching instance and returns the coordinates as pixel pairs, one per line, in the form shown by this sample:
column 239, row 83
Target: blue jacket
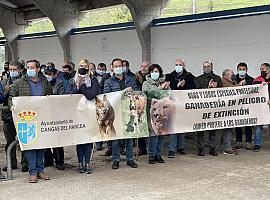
column 2, row 95
column 112, row 84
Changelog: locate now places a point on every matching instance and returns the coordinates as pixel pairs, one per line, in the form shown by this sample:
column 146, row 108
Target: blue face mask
column 118, row 71
column 154, row 76
column 49, row 78
column 31, row 73
column 101, row 72
column 242, row 73
column 14, row 74
column 178, row 69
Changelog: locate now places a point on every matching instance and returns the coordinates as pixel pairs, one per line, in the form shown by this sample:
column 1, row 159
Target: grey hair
column 225, row 72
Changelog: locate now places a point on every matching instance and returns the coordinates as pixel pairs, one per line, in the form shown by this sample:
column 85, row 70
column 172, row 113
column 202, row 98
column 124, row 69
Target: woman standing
column 153, row 86
column 84, row 83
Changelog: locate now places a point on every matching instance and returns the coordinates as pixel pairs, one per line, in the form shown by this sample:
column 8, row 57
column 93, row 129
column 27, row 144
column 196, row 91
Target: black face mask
column 83, row 71
column 263, row 74
column 66, row 75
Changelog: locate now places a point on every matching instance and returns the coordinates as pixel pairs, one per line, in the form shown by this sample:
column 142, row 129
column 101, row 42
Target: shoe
column 201, row 152
column 257, row 148
column 43, row 176
column 5, row 168
column 171, row 154
column 60, row 167
column 159, row 159
column 181, row 151
column 33, row 179
column 213, row 152
column 132, row 164
column 80, row 168
column 88, row 169
column 238, row 145
column 248, row 146
column 142, row 152
column 230, row 152
column 25, row 169
column 115, row 165
column 151, row 160
column 108, row 152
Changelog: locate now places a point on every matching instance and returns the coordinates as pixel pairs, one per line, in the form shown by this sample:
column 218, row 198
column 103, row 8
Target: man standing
column 243, row 79
column 9, row 129
column 126, row 69
column 263, row 78
column 33, row 84
column 207, row 80
column 180, row 79
column 140, row 78
column 120, row 82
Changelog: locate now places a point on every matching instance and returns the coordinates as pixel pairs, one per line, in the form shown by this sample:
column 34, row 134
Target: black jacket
column 202, row 81
column 174, row 79
column 249, row 79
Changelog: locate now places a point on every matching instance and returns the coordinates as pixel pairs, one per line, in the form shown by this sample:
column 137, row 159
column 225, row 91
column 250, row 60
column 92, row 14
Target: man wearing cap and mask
column 15, row 72
column 207, row 80
column 58, row 89
column 243, row 79
column 180, row 79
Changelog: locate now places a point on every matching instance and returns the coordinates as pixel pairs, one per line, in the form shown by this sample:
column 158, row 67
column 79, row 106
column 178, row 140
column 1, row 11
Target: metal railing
column 8, row 154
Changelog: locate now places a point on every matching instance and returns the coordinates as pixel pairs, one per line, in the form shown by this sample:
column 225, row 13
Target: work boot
column 151, row 160
column 171, row 154
column 115, row 165
column 159, row 159
column 80, row 168
column 213, row 152
column 201, row 152
column 88, row 169
column 43, row 176
column 33, row 179
column 181, row 151
column 132, row 164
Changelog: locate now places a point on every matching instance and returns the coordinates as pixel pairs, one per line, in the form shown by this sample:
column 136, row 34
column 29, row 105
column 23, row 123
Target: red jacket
column 260, row 80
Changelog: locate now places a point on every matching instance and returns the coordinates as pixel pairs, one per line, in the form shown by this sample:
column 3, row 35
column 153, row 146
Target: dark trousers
column 212, row 139
column 58, row 155
column 84, row 152
column 142, row 144
column 10, row 135
column 248, row 132
column 48, row 157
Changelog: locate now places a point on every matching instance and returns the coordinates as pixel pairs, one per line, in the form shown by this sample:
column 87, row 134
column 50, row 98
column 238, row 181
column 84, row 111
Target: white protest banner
column 53, row 121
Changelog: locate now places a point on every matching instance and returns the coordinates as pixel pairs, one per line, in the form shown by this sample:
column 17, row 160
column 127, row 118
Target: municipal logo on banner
column 27, row 127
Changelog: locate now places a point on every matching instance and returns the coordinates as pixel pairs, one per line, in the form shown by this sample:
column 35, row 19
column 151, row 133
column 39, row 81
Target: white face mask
column 179, row 69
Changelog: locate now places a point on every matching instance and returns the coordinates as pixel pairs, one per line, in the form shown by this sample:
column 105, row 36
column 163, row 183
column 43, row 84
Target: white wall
column 224, row 42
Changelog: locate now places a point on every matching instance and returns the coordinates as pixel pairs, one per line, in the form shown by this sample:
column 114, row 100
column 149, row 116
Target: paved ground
column 245, row 176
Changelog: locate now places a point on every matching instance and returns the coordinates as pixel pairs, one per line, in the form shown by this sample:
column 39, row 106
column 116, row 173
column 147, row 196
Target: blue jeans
column 116, row 149
column 258, row 137
column 84, row 152
column 35, row 160
column 227, row 139
column 176, row 141
column 155, row 145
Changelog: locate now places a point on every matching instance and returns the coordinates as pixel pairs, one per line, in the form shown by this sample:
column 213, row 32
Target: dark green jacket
column 202, row 81
column 21, row 87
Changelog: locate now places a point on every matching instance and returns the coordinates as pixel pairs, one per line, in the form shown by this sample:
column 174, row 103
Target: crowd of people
column 34, row 79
